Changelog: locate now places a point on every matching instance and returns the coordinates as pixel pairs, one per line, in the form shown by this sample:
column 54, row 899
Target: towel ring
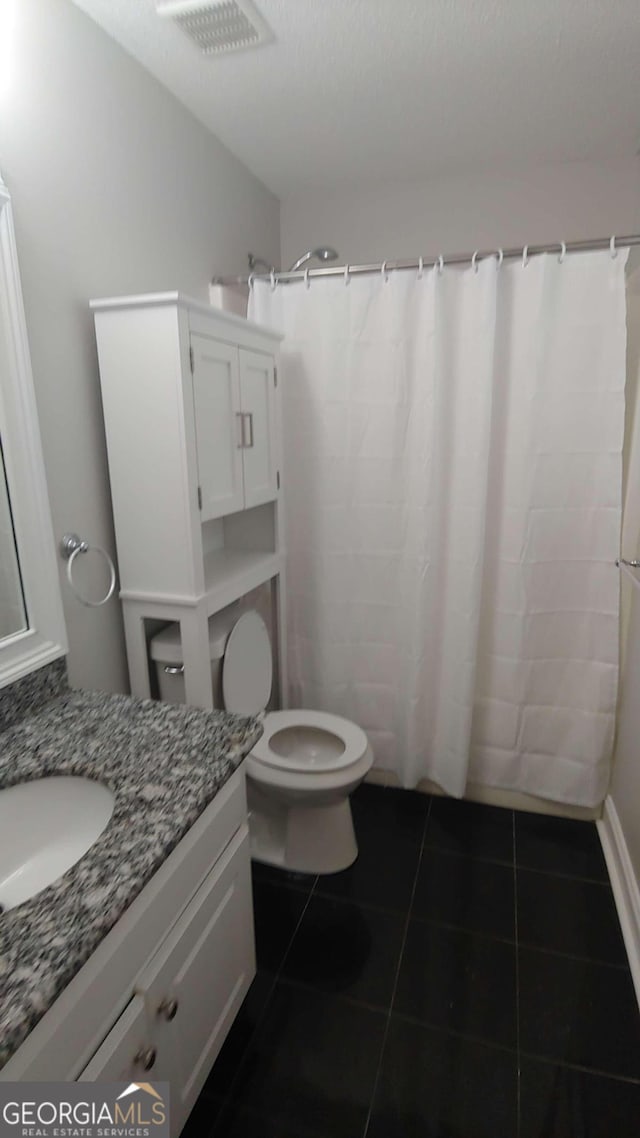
column 70, row 546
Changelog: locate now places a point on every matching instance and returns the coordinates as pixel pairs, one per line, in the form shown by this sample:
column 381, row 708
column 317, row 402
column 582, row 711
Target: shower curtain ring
column 500, row 257
column 562, row 254
column 474, row 261
column 439, row 265
column 251, row 280
column 273, row 281
column 383, row 272
column 420, row 268
column 347, row 278
column 307, row 282
column 525, row 256
column 612, row 248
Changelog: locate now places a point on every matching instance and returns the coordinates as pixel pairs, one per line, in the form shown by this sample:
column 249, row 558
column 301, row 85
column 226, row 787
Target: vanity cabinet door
column 257, row 386
column 216, row 399
column 127, row 1047
column 197, row 980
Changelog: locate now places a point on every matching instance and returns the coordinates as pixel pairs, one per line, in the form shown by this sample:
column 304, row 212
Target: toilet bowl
column 299, row 778
column 301, row 771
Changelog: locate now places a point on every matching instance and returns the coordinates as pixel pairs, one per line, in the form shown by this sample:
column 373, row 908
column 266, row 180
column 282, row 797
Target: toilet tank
column 166, row 652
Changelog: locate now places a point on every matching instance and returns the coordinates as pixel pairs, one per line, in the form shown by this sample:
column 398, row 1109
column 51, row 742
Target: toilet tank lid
column 166, row 646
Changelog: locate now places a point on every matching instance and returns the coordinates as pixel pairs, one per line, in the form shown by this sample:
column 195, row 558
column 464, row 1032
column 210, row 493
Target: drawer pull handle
column 173, row 669
column 145, row 1058
column 168, row 1008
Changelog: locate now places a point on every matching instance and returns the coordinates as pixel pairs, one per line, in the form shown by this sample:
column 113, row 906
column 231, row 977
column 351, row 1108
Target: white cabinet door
column 196, row 982
column 216, row 398
column 257, row 385
column 127, row 1051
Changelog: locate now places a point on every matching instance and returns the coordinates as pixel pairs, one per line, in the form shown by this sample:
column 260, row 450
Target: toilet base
column 298, row 837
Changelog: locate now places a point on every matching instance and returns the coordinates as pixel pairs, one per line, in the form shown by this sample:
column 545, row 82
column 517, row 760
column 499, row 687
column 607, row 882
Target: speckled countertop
column 164, row 764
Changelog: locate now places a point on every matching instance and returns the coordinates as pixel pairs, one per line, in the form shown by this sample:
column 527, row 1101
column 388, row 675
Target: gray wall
column 625, row 783
column 479, row 209
column 116, row 189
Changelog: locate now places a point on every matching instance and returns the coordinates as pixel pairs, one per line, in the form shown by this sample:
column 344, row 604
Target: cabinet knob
column 145, row 1058
column 168, row 1008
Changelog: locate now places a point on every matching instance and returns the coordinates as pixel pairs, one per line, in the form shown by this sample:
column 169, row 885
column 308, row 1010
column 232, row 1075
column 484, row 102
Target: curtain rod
column 525, row 252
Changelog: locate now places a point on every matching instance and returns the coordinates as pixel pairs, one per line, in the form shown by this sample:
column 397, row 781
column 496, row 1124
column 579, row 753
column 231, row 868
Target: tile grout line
column 515, row 924
column 544, row 950
column 397, row 975
column 455, row 1033
column 345, row 899
column 227, row 1098
column 565, row 876
column 295, row 931
column 598, row 1072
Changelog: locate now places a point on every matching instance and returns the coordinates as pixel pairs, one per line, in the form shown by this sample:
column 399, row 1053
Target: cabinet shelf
column 230, row 573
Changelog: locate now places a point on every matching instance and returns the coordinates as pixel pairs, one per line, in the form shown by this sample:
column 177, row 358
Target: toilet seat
column 295, row 744
column 309, row 742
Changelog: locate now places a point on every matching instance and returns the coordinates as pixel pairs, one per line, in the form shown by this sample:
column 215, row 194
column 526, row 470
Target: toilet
column 304, row 767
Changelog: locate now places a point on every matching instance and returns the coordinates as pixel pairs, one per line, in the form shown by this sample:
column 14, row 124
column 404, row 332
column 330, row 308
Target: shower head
column 324, row 253
column 256, row 262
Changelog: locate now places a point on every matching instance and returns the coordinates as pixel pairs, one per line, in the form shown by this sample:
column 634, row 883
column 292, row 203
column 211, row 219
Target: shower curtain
column 453, row 503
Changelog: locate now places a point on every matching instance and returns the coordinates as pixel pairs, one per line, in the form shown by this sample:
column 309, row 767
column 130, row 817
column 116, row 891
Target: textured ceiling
column 359, row 89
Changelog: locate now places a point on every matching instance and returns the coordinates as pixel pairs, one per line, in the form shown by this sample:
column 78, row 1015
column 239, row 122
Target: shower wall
column 625, row 783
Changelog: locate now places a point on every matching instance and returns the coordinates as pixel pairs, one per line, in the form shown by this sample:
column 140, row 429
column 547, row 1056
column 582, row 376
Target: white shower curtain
column 453, row 498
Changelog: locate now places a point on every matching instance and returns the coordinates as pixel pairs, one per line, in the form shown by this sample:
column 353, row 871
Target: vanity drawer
column 189, row 993
column 195, row 983
column 115, row 1060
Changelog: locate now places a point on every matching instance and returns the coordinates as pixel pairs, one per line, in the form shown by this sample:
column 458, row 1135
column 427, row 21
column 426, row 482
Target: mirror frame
column 45, row 639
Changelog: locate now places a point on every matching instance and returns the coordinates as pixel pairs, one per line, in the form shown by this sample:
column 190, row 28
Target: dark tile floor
column 466, row 978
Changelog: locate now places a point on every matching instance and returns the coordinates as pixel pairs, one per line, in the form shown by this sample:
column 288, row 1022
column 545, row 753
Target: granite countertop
column 163, row 762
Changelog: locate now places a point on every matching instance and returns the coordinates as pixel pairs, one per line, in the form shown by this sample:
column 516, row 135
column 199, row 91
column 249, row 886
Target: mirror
column 13, row 615
column 32, row 630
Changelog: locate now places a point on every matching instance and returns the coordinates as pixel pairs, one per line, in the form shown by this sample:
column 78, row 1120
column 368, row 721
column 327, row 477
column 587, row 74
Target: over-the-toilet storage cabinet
column 192, row 419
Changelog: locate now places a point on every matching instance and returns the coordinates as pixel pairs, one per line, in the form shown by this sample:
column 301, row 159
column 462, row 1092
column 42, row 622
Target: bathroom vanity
column 134, row 963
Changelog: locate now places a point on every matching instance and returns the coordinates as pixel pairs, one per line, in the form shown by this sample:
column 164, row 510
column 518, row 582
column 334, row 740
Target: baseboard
column 626, row 889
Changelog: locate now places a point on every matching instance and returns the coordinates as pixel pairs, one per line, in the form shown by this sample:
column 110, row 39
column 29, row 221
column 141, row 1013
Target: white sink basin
column 45, row 828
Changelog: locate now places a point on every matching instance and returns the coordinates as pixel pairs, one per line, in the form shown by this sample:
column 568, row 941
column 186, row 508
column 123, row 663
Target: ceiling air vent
column 217, row 26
